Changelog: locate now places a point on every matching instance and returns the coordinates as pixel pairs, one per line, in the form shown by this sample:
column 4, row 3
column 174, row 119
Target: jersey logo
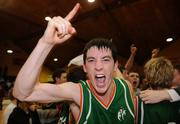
column 62, row 120
column 121, row 114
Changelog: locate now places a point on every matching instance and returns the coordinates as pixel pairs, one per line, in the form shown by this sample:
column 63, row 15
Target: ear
column 116, row 66
column 56, row 78
column 84, row 68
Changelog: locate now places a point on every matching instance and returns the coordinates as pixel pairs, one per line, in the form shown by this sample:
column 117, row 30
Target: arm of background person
column 155, row 96
column 129, row 63
column 155, row 52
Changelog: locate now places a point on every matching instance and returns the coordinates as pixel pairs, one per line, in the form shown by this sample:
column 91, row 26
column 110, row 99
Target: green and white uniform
column 160, row 113
column 120, row 109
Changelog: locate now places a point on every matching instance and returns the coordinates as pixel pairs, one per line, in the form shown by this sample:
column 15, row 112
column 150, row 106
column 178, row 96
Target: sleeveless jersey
column 120, row 109
column 164, row 112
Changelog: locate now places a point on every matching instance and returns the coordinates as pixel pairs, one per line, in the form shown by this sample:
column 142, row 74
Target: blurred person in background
column 158, row 76
column 24, row 113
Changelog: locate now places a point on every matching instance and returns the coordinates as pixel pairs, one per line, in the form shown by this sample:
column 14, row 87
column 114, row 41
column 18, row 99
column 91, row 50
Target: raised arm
column 26, row 85
column 130, row 61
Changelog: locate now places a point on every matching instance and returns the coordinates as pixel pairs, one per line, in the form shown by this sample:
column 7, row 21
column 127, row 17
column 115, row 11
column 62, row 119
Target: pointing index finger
column 73, row 12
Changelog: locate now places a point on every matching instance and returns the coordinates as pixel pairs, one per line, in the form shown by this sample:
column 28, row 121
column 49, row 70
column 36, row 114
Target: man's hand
column 155, row 52
column 154, row 96
column 60, row 29
column 133, row 49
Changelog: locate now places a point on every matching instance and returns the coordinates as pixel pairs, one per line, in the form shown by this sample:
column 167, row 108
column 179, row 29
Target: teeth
column 99, row 76
column 100, row 80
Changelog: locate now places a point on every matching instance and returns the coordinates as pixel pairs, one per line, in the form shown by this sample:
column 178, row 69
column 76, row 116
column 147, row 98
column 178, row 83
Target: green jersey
column 164, row 112
column 119, row 110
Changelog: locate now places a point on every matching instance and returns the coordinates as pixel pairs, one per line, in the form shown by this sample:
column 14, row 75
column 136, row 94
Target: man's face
column 134, row 79
column 62, row 78
column 176, row 79
column 99, row 67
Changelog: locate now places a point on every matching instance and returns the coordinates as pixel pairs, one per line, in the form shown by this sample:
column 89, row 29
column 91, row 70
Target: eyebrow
column 90, row 58
column 102, row 57
column 107, row 57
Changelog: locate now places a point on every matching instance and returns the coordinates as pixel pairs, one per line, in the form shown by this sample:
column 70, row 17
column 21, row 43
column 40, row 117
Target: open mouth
column 100, row 80
column 134, row 83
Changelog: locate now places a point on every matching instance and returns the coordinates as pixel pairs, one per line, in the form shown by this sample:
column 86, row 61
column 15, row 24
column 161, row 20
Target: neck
column 107, row 96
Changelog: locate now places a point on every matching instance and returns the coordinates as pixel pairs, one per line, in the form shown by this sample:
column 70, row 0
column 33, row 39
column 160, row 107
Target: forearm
column 130, row 62
column 154, row 96
column 28, row 75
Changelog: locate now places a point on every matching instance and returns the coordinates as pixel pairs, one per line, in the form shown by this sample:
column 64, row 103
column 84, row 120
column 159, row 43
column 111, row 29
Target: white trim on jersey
column 125, row 96
column 89, row 111
column 142, row 112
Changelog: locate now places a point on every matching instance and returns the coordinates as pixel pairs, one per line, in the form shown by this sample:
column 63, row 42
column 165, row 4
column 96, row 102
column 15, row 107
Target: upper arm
column 46, row 93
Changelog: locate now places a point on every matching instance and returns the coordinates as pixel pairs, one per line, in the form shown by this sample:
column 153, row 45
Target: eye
column 90, row 60
column 106, row 59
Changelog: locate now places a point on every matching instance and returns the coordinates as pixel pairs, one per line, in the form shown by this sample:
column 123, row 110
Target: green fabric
column 64, row 114
column 160, row 113
column 117, row 113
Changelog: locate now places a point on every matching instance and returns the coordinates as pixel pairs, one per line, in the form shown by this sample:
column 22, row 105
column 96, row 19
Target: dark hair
column 100, row 43
column 75, row 74
column 132, row 71
column 57, row 73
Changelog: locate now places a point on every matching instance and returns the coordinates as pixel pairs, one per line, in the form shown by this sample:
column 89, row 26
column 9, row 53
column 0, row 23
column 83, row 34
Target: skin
column 154, row 96
column 99, row 63
column 155, row 52
column 129, row 63
column 134, row 79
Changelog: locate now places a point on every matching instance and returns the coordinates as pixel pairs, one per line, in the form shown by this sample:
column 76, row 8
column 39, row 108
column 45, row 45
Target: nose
column 98, row 65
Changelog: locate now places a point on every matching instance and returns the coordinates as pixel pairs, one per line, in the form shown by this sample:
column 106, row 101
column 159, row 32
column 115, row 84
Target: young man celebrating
column 101, row 99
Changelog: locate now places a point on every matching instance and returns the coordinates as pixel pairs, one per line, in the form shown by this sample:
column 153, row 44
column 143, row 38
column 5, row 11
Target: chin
column 101, row 91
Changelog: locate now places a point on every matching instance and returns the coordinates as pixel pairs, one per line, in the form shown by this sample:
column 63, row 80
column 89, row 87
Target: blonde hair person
column 158, row 73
